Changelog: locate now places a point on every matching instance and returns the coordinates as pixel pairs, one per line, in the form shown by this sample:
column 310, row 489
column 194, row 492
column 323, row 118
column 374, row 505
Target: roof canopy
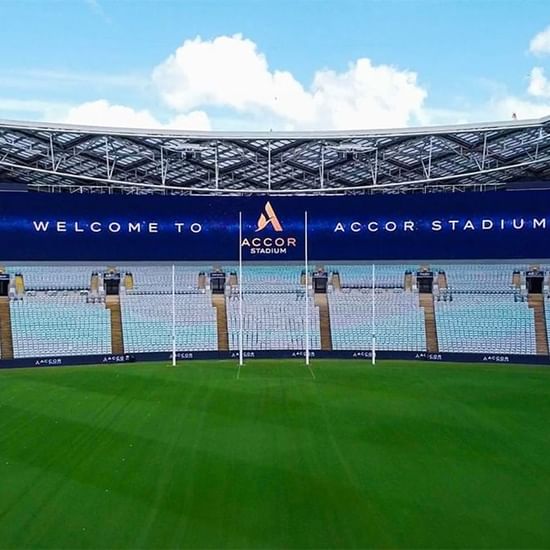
column 56, row 157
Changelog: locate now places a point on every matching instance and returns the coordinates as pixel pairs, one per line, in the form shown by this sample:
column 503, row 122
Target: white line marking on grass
column 312, row 373
column 239, row 372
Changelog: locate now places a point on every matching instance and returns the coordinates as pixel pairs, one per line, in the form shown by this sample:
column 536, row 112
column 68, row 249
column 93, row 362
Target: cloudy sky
column 281, row 65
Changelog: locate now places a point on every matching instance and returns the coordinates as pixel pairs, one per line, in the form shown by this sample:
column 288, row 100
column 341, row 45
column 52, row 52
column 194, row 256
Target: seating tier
column 147, row 322
column 46, row 325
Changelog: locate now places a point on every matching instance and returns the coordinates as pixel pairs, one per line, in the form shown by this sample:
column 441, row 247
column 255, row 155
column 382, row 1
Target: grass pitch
column 401, row 455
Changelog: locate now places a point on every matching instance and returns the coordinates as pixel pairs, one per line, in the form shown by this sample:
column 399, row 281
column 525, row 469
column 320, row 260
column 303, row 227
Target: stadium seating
column 479, row 278
column 54, row 324
column 158, row 279
column 479, row 311
column 399, row 320
column 147, row 322
column 271, row 279
column 272, row 321
column 485, row 323
column 56, row 277
column 360, row 275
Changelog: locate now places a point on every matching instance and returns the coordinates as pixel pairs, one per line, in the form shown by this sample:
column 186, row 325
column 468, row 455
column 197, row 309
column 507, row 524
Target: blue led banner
column 111, row 359
column 467, row 226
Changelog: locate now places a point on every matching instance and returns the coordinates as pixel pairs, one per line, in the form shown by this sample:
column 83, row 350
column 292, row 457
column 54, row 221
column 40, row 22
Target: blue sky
column 289, row 64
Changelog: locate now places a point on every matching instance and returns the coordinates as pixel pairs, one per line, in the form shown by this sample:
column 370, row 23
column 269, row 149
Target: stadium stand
column 474, row 308
column 484, row 309
column 272, row 279
column 316, row 164
column 53, row 324
column 272, row 321
column 62, row 277
column 359, row 276
column 273, row 310
column 479, row 278
column 485, row 323
column 158, row 279
column 399, row 320
column 6, row 337
column 147, row 322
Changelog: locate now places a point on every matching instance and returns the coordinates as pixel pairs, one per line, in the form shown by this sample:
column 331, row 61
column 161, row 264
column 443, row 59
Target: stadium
column 275, row 339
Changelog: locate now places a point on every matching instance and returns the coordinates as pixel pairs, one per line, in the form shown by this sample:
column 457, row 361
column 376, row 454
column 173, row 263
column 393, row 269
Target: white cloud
column 227, row 83
column 103, row 113
column 195, row 120
column 540, row 43
column 230, row 72
column 539, row 85
column 503, row 108
column 366, row 96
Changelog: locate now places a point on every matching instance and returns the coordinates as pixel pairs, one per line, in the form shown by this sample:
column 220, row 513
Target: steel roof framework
column 53, row 157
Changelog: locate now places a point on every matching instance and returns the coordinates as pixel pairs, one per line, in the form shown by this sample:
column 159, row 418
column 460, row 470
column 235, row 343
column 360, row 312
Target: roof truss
column 81, row 159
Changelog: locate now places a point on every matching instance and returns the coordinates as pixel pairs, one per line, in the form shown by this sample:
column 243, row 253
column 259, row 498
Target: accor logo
column 268, row 245
column 269, row 217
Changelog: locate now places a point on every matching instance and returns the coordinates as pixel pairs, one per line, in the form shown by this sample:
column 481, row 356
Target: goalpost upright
column 373, row 350
column 173, row 315
column 240, row 289
column 307, row 289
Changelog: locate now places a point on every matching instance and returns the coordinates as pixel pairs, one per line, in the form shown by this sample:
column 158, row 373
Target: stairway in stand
column 408, row 282
column 202, row 281
column 321, row 301
column 218, row 301
column 516, row 280
column 536, row 302
column 117, row 341
column 442, row 280
column 6, row 341
column 427, row 302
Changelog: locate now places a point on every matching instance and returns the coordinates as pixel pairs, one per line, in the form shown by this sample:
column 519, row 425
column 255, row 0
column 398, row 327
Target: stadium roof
column 61, row 157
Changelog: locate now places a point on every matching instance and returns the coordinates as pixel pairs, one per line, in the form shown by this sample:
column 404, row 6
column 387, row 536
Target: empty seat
column 399, row 320
column 485, row 323
column 53, row 325
column 273, row 321
column 147, row 322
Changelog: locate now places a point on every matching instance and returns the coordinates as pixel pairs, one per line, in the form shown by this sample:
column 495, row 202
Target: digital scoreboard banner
column 461, row 226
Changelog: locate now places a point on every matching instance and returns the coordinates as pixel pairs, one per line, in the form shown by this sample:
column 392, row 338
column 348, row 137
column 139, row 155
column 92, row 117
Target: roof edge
column 275, row 135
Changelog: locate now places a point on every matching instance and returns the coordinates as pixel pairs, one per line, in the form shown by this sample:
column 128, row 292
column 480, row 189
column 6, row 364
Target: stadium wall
column 275, row 354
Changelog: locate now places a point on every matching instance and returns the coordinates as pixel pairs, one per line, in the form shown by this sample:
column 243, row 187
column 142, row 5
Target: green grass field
column 401, row 455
